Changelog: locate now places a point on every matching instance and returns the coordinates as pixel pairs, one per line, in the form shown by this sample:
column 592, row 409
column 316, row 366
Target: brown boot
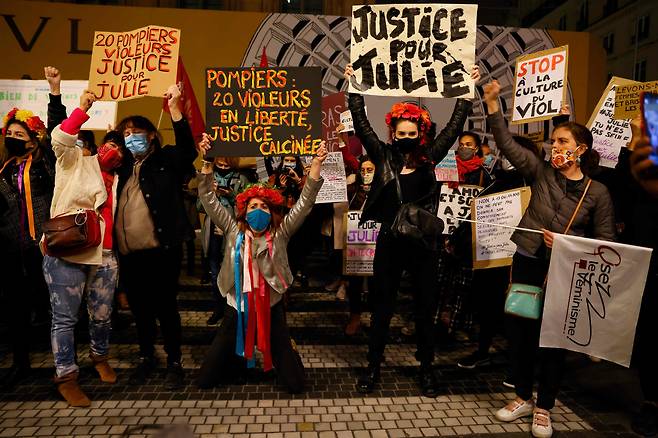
column 103, row 368
column 69, row 389
column 353, row 325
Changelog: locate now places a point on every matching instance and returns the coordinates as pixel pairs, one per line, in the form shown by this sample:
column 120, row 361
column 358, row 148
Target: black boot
column 428, row 383
column 215, row 317
column 143, row 371
column 15, row 376
column 646, row 422
column 366, row 383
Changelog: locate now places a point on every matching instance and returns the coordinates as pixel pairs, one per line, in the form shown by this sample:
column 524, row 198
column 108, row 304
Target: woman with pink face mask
column 562, row 194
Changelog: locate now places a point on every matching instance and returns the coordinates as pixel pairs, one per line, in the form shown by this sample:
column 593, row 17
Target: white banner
column 593, row 297
column 334, row 188
column 455, row 204
column 420, row 50
column 33, row 95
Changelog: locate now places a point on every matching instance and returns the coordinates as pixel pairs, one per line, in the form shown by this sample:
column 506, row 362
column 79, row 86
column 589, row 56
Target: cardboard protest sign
column 610, row 134
column 627, row 98
column 261, row 111
column 334, row 188
column 33, row 95
column 333, row 106
column 455, row 204
column 346, row 120
column 360, row 244
column 446, row 170
column 540, row 85
column 492, row 246
column 137, row 63
column 420, row 50
column 593, row 297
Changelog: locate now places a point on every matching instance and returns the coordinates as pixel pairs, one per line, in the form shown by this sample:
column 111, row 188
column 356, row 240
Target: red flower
column 261, row 191
column 409, row 111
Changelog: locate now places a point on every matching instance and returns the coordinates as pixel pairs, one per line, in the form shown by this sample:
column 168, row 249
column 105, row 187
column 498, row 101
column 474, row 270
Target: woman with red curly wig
column 404, row 174
column 27, row 180
column 254, row 276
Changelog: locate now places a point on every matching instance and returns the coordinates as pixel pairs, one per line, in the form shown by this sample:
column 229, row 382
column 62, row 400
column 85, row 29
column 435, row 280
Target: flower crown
column 33, row 122
column 263, row 191
column 412, row 112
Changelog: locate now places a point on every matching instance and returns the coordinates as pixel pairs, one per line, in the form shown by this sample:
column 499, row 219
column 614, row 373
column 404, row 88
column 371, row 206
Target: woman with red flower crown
column 254, row 276
column 27, row 179
column 403, row 174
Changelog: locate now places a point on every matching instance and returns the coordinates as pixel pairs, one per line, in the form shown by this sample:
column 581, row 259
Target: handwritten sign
column 333, row 106
column 334, row 188
column 610, row 134
column 360, row 244
column 540, row 85
column 421, row 50
column 137, row 63
column 33, row 95
column 455, row 204
column 253, row 111
column 627, row 98
column 446, row 170
column 346, row 120
column 492, row 246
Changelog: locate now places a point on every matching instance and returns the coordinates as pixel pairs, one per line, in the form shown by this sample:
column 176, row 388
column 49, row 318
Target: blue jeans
column 68, row 283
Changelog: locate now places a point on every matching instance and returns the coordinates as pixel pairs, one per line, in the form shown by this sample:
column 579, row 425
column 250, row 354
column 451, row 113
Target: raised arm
column 56, row 109
column 65, row 135
column 362, row 127
column 351, row 163
column 526, row 162
column 184, row 153
column 446, row 138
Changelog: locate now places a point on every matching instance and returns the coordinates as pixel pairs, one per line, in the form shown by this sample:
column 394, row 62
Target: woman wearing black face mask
column 408, row 159
column 27, row 179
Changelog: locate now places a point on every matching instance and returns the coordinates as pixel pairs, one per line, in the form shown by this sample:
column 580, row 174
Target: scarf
column 464, row 167
column 25, row 189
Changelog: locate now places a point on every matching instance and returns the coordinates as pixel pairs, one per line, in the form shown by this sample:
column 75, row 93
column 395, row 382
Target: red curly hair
column 413, row 113
column 269, row 195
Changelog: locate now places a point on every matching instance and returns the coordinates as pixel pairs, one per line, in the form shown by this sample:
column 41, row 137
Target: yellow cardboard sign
column 627, row 98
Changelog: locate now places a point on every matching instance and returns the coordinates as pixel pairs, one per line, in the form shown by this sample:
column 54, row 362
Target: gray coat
column 273, row 272
column 551, row 206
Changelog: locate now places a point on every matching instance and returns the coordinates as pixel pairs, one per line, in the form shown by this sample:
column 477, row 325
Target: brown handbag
column 71, row 234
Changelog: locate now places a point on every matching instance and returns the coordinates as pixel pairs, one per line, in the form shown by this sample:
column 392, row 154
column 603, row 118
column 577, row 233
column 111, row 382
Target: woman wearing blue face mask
column 150, row 227
column 254, row 276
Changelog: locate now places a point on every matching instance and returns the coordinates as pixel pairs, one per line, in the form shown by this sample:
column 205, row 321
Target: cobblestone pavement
column 330, row 408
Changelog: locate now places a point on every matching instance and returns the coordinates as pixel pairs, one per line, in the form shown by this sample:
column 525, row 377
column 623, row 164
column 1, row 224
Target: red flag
column 263, row 59
column 188, row 103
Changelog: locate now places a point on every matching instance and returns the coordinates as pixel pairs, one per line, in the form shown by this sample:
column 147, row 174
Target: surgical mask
column 109, row 158
column 367, row 178
column 258, row 220
column 562, row 158
column 465, row 154
column 79, row 143
column 137, row 144
column 16, row 147
column 289, row 166
column 406, row 145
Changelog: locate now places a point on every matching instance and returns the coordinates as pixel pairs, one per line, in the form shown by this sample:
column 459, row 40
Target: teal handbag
column 524, row 300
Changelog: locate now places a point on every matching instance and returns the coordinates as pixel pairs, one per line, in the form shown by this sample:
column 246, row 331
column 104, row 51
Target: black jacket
column 383, row 201
column 161, row 180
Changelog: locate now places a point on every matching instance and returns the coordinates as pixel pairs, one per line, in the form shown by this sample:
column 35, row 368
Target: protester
column 27, row 178
column 404, row 168
column 564, row 199
column 470, row 162
column 254, row 277
column 150, row 226
column 83, row 182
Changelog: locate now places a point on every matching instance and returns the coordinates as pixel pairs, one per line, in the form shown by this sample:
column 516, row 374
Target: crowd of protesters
column 143, row 200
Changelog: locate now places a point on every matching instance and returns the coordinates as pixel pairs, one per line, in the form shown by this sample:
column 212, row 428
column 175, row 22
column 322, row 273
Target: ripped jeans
column 68, row 283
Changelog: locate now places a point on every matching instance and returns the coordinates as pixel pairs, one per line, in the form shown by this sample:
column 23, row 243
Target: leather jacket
column 383, row 201
column 274, row 269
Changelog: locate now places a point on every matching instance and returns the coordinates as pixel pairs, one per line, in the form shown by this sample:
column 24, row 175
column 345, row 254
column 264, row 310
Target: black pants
column 392, row 256
column 222, row 365
column 24, row 289
column 355, row 293
column 645, row 347
column 489, row 287
column 150, row 279
column 524, row 342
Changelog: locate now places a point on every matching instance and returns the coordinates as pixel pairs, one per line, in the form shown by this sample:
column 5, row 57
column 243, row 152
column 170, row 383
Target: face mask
column 222, row 172
column 289, row 166
column 137, row 144
column 258, row 220
column 562, row 158
column 15, row 146
column 406, row 145
column 465, row 154
column 367, row 178
column 109, row 158
column 79, row 143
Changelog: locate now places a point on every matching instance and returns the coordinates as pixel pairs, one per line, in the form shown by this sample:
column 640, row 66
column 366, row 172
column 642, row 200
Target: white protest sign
column 346, row 121
column 446, row 170
column 455, row 204
column 540, row 85
column 593, row 297
column 334, row 188
column 420, row 50
column 360, row 243
column 492, row 246
column 609, row 134
column 33, row 96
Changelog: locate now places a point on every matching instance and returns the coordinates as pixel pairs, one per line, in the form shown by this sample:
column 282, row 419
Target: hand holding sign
column 54, row 79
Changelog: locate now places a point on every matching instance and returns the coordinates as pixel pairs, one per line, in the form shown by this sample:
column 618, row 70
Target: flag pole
column 160, row 119
column 529, row 230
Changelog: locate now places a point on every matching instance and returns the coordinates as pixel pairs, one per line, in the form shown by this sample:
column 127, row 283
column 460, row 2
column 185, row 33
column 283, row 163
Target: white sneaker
column 515, row 410
column 541, row 424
